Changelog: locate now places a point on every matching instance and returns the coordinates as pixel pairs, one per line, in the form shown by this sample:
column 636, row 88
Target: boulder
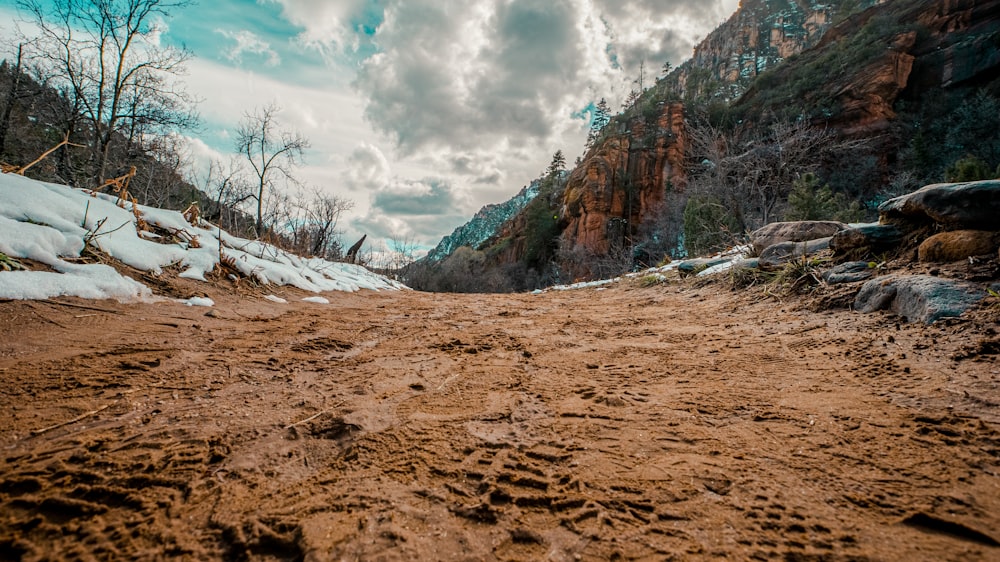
column 958, row 245
column 798, row 231
column 967, row 205
column 777, row 255
column 697, row 265
column 865, row 239
column 850, row 272
column 922, row 298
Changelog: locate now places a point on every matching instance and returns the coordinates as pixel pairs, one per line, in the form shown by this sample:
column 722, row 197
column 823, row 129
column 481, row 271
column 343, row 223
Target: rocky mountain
column 483, row 224
column 638, row 162
column 758, row 36
column 915, row 82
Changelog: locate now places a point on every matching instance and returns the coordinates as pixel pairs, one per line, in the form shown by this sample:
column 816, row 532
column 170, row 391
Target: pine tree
column 557, row 165
column 602, row 115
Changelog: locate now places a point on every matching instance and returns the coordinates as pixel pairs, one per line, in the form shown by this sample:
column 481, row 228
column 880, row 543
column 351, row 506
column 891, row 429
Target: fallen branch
column 74, row 420
column 85, row 307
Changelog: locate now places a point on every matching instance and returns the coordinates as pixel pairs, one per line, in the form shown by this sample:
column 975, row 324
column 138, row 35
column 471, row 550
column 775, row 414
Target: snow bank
column 52, row 223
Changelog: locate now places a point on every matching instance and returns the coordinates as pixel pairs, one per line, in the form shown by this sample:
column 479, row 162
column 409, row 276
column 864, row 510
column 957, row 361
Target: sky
column 421, row 111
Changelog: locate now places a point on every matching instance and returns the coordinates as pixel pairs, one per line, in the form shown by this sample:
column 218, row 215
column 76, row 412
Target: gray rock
column 776, row 256
column 865, row 239
column 850, row 272
column 922, row 298
column 690, row 267
column 797, row 231
column 969, row 205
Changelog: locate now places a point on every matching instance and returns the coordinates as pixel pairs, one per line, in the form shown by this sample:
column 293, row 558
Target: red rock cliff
column 622, row 179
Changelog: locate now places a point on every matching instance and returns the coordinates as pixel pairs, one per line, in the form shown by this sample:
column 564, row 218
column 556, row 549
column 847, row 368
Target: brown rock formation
column 867, row 99
column 623, row 179
column 958, row 245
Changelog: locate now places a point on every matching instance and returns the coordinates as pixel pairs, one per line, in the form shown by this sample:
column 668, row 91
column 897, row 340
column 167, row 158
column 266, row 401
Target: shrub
column 969, row 168
column 808, row 202
column 708, row 226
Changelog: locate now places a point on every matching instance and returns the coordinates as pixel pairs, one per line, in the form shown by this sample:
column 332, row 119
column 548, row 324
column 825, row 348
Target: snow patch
column 52, row 223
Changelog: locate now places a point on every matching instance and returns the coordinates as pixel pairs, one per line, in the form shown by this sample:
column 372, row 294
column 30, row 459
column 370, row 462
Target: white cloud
column 248, row 42
column 368, row 168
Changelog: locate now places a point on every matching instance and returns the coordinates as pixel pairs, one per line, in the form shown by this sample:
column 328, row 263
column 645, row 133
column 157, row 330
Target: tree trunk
column 11, row 98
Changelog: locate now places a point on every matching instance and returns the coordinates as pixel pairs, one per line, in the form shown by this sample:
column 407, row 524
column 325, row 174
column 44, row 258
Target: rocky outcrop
column 758, row 36
column 918, row 298
column 797, row 231
column 866, row 240
column 867, row 100
column 623, row 179
column 954, row 205
column 775, row 256
column 849, row 272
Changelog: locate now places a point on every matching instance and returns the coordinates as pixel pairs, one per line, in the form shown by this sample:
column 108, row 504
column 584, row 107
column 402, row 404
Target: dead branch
column 11, row 169
column 121, row 186
column 74, row 420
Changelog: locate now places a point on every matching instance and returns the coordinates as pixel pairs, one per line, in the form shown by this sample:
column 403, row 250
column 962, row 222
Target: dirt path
column 630, row 423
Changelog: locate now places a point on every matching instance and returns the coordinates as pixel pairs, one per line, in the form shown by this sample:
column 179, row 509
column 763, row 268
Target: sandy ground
column 671, row 422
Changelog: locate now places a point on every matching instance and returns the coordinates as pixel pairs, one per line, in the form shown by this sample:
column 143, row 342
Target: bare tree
column 273, row 153
column 403, row 248
column 324, row 215
column 314, row 224
column 227, row 185
column 103, row 53
column 750, row 171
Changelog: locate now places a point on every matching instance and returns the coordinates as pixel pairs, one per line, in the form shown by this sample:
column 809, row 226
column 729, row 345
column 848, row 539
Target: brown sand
column 663, row 423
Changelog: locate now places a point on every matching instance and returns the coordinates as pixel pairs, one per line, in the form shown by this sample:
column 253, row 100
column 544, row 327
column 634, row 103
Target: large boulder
column 918, row 298
column 964, row 205
column 958, row 245
column 866, row 239
column 776, row 256
column 797, row 231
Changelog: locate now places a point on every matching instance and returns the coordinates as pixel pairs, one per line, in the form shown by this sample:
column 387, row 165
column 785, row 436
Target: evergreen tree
column 602, row 115
column 557, row 165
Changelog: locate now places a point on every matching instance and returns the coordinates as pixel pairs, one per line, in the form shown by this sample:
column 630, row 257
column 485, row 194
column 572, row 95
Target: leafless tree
column 273, row 154
column 103, row 53
column 227, row 185
column 402, row 248
column 316, row 227
column 750, row 170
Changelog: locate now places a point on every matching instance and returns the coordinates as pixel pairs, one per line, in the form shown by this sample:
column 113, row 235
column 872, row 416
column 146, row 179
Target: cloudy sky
column 422, row 111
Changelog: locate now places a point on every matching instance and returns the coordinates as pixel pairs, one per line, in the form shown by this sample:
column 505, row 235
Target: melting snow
column 52, row 224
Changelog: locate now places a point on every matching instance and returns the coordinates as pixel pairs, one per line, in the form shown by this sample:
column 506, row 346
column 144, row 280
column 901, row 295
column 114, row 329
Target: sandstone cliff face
column 906, row 50
column 622, row 180
column 761, row 34
column 867, row 99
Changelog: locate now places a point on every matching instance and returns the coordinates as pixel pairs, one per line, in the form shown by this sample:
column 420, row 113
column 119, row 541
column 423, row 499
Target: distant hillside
column 483, row 224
